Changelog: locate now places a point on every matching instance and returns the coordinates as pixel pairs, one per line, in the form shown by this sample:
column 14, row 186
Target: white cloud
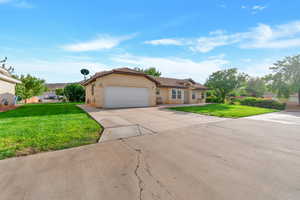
column 259, row 69
column 165, row 41
column 281, row 36
column 62, row 70
column 174, row 66
column 262, row 36
column 206, row 44
column 247, row 60
column 102, row 42
column 4, row 1
column 23, row 4
column 18, row 3
column 258, row 7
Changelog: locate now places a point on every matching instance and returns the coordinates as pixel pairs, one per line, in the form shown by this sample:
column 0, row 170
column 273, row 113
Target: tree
column 74, row 92
column 255, row 87
column 10, row 69
column 285, row 79
column 225, row 82
column 150, row 71
column 59, row 92
column 30, row 86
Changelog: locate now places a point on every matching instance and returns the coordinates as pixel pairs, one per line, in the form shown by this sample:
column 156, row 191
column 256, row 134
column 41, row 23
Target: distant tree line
column 283, row 81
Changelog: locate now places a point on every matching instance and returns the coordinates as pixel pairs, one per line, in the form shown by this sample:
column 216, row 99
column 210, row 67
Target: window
column 157, row 91
column 178, row 94
column 173, row 93
column 194, row 95
column 93, row 89
column 202, row 95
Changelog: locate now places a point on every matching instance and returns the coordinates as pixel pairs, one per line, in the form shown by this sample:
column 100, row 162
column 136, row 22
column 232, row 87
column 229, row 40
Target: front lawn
column 34, row 128
column 224, row 110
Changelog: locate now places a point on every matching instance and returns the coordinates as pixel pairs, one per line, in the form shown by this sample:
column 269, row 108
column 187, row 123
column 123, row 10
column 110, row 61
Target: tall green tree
column 255, row 87
column 225, row 82
column 74, row 92
column 150, row 71
column 285, row 79
column 30, row 86
column 59, row 92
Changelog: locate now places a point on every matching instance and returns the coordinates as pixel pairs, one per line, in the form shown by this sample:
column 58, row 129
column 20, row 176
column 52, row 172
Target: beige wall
column 198, row 98
column 7, row 91
column 166, row 96
column 122, row 80
column 7, row 87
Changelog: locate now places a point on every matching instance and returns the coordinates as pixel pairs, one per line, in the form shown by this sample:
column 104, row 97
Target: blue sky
column 54, row 39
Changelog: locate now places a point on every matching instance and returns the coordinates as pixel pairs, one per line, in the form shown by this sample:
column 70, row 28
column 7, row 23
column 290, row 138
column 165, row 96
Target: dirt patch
column 7, row 108
column 27, row 151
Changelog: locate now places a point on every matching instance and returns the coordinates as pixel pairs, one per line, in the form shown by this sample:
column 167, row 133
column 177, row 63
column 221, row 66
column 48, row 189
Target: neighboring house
column 125, row 87
column 7, row 88
column 50, row 94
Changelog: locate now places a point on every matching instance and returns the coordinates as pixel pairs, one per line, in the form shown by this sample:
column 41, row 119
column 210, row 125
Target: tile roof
column 124, row 70
column 161, row 81
column 179, row 83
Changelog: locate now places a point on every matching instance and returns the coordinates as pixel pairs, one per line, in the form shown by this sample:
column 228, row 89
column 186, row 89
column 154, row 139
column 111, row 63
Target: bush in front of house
column 213, row 99
column 260, row 102
column 74, row 92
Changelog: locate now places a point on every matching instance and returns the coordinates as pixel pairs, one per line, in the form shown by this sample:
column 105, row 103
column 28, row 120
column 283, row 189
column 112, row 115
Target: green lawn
column 224, row 110
column 34, row 128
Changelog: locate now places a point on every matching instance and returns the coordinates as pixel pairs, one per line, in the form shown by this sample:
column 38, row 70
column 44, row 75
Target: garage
column 124, row 97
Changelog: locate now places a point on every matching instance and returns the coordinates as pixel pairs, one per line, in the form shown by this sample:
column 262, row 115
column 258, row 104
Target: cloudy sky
column 54, row 39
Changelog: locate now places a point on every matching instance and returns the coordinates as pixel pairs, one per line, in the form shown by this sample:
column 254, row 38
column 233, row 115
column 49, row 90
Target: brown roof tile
column 118, row 71
column 161, row 81
column 179, row 83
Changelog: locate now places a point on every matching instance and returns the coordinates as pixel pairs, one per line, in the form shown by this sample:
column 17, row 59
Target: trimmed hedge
column 263, row 103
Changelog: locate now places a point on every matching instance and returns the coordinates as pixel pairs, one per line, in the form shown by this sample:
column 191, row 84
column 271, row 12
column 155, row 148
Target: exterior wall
column 166, row 96
column 7, row 92
column 31, row 100
column 121, row 80
column 175, row 101
column 198, row 98
column 7, row 87
column 163, row 95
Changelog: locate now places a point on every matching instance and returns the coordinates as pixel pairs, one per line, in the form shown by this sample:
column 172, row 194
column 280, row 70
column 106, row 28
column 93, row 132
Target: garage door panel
column 122, row 97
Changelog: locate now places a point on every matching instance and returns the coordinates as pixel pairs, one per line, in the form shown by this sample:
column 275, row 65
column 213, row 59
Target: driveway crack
column 136, row 170
column 137, row 173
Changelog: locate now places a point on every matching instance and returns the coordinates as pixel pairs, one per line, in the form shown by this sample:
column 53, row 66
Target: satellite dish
column 84, row 72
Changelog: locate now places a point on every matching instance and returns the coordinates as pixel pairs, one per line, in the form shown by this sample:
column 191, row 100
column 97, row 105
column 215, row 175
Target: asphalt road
column 232, row 159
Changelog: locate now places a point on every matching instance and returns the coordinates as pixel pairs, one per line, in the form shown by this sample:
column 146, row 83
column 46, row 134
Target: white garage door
column 123, row 97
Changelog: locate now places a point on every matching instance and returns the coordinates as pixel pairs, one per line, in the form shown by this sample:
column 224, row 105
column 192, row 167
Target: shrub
column 263, row 103
column 75, row 92
column 213, row 99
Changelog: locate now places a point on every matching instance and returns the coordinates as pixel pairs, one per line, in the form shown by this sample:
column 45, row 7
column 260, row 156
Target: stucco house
column 7, row 88
column 126, row 87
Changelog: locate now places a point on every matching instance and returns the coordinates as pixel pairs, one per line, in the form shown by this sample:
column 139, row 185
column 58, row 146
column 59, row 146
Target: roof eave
column 9, row 79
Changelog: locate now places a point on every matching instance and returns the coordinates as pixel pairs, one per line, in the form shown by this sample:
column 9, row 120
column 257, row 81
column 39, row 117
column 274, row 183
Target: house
column 50, row 94
column 7, row 88
column 125, row 87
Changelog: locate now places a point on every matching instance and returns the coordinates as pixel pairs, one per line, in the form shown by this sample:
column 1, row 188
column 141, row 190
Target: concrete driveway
column 123, row 123
column 227, row 159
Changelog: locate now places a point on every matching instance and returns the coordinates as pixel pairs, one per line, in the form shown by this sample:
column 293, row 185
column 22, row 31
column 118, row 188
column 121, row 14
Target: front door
column 186, row 96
